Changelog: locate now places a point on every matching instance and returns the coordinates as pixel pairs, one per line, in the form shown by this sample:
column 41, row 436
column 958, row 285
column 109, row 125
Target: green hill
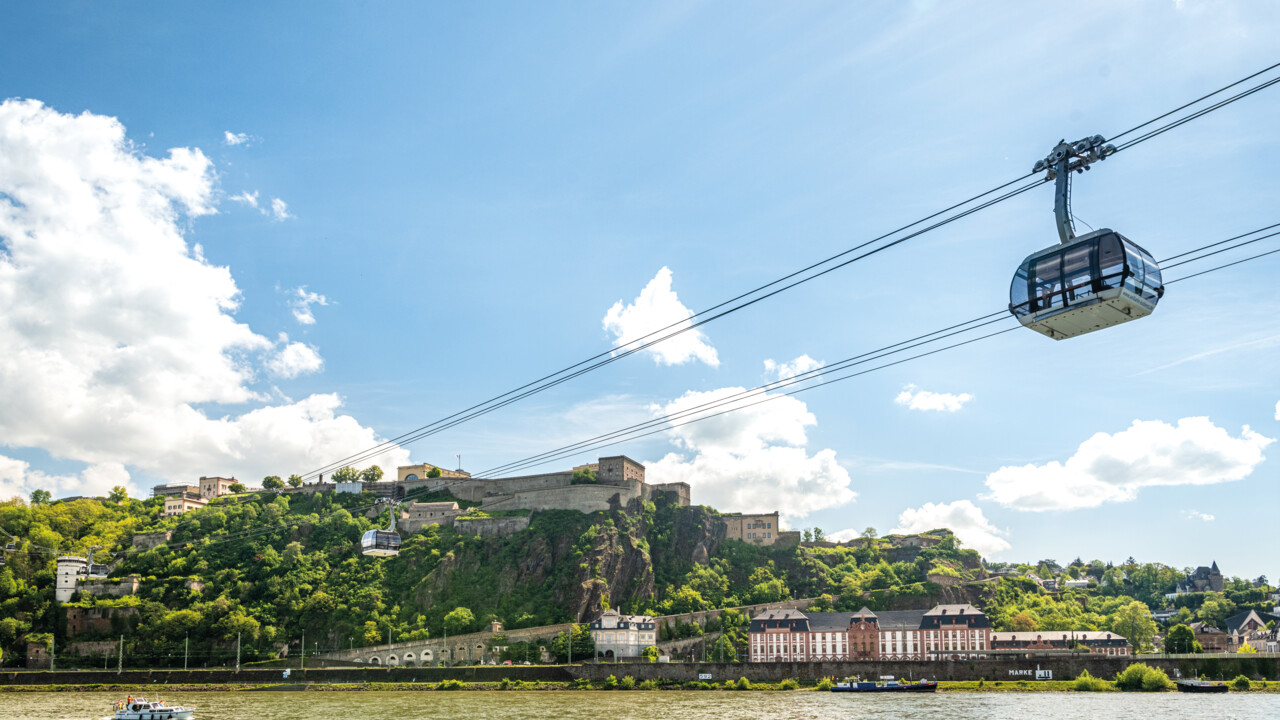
column 271, row 568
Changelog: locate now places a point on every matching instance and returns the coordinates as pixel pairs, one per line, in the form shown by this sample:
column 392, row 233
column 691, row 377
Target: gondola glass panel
column 380, row 543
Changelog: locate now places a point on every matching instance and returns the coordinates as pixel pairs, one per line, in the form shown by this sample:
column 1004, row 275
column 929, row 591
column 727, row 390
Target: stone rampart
column 583, row 498
column 459, row 648
column 112, row 588
column 491, row 527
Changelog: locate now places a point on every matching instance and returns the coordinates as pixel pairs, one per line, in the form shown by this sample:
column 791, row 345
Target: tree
column 295, row 480
column 585, row 476
column 460, row 620
column 584, row 646
column 819, row 535
column 237, row 487
column 1023, row 622
column 346, row 474
column 1134, row 622
column 869, row 537
column 1181, row 639
column 371, row 474
column 652, row 653
column 118, row 494
column 272, row 482
column 40, row 496
column 724, row 651
column 434, row 472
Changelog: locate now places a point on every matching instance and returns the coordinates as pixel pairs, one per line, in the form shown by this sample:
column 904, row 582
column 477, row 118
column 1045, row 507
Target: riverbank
column 624, row 684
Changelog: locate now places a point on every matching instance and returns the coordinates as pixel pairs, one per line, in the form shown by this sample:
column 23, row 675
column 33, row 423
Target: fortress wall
column 583, row 498
column 492, row 527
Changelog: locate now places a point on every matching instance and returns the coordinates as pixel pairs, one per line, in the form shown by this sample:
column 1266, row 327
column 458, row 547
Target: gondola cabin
column 380, row 543
column 1093, row 282
column 99, row 571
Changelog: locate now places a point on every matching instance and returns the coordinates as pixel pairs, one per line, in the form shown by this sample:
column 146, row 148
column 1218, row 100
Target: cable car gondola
column 382, row 543
column 96, row 571
column 1084, row 283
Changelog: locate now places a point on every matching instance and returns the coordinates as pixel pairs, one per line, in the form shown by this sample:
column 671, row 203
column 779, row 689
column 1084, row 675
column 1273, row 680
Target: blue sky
column 465, row 191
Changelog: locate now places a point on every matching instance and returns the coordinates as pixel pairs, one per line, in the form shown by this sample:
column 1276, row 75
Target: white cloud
column 1278, row 410
column 1113, row 468
column 279, row 210
column 961, row 517
column 294, row 359
column 302, row 302
column 247, row 198
column 121, row 348
column 1197, row 515
column 656, row 308
column 925, row 400
column 788, row 370
column 752, row 460
column 17, row 479
column 233, row 139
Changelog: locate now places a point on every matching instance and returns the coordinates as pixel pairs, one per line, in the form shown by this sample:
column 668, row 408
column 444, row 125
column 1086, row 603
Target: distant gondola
column 382, row 543
column 1084, row 283
column 97, row 571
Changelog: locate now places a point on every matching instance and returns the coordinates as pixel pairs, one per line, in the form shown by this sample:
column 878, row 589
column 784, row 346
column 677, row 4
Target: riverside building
column 945, row 632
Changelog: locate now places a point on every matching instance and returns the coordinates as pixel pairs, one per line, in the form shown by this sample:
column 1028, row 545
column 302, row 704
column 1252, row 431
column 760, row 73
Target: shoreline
column 945, row 686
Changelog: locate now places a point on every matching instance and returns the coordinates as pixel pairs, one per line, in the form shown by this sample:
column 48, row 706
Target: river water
column 660, row 705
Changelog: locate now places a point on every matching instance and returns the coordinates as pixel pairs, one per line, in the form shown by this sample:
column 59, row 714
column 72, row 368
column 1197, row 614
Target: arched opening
column 392, row 660
column 608, row 653
column 428, row 656
column 374, row 661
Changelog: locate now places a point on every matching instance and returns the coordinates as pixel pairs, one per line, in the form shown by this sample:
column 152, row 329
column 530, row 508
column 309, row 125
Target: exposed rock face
column 588, row 563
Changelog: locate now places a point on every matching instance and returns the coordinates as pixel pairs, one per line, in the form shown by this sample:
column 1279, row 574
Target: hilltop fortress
column 611, row 482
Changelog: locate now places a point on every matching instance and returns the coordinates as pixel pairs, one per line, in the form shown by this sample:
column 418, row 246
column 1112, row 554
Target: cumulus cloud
column 915, row 399
column 232, row 139
column 118, row 336
column 753, row 459
column 279, row 210
column 657, row 307
column 961, row 517
column 788, row 370
column 301, row 303
column 17, row 479
column 1113, row 468
column 247, row 198
column 294, row 359
column 1197, row 515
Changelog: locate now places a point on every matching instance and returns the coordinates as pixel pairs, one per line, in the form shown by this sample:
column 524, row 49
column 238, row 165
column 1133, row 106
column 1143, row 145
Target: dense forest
column 271, row 568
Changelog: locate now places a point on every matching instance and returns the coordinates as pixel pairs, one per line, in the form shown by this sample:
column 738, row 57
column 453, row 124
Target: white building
column 618, row 635
column 70, row 569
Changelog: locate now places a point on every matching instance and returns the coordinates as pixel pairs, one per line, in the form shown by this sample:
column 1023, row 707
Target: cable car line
column 1200, row 99
column 614, row 354
column 566, row 378
column 633, row 432
column 230, row 537
column 1220, row 242
column 541, row 384
column 1198, row 114
column 1227, row 265
column 1225, row 249
column 782, row 382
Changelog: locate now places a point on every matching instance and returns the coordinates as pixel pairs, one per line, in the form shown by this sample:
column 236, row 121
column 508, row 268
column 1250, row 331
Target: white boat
column 143, row 709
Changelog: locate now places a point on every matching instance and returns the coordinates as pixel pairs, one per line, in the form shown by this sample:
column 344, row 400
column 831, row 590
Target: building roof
column 1058, row 635
column 1235, row 622
column 900, row 619
column 828, row 622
